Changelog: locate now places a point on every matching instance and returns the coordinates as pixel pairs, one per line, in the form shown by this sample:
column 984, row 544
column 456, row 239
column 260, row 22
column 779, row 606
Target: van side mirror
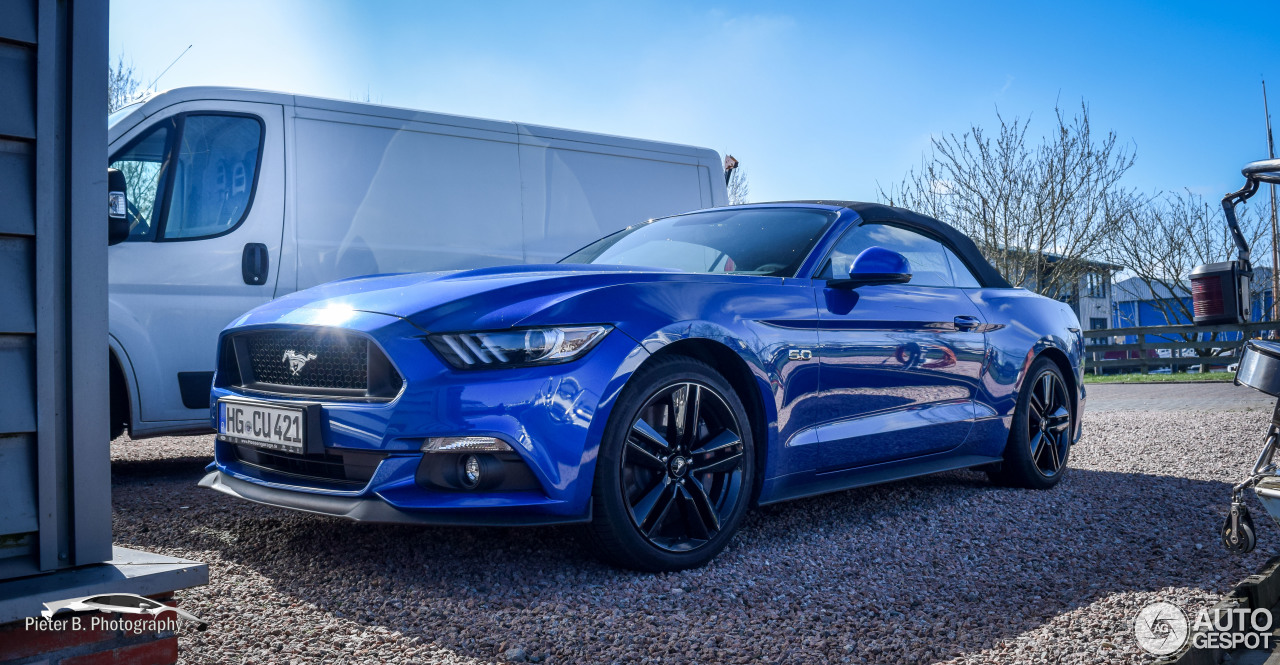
column 117, row 207
column 875, row 265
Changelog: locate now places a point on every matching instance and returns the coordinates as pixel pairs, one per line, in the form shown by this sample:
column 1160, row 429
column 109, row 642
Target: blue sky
column 816, row 99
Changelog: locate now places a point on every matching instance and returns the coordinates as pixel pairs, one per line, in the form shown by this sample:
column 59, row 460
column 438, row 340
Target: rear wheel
column 674, row 474
column 1040, row 438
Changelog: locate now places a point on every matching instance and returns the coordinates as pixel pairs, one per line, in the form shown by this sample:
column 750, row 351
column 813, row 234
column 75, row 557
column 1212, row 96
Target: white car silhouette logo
column 125, row 603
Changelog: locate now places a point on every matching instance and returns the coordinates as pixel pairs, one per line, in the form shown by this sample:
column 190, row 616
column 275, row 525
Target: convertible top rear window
column 750, row 241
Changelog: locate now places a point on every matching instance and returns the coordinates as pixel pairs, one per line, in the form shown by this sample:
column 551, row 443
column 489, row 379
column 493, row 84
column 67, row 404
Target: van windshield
column 121, row 114
column 751, row 241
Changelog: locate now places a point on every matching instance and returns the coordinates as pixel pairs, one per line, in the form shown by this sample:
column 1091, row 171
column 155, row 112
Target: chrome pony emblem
column 296, row 360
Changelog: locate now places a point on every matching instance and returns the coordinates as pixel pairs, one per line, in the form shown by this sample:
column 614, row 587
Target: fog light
column 471, row 471
column 465, row 444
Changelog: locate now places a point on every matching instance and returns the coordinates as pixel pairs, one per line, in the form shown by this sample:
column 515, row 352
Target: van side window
column 927, row 256
column 143, row 166
column 214, row 173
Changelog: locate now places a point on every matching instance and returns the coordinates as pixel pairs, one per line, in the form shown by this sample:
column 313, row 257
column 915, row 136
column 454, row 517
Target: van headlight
column 516, row 348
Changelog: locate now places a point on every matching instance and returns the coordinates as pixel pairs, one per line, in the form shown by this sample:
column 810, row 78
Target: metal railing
column 1207, row 352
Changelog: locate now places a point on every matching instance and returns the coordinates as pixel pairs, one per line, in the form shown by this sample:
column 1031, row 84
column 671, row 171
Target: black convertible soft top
column 959, row 242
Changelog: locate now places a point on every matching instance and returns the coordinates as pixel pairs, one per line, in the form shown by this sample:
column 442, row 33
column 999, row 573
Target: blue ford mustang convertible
column 655, row 384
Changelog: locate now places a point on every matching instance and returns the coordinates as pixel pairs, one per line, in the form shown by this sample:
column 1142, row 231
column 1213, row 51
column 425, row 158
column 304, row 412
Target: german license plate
column 274, row 427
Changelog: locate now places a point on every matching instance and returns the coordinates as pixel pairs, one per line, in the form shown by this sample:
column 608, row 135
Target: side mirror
column 117, row 208
column 875, row 265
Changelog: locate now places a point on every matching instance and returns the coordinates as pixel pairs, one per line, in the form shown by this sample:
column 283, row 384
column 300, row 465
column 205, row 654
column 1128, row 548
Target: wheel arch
column 738, row 373
column 121, row 383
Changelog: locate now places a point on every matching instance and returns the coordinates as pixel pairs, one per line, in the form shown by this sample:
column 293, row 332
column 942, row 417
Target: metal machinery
column 1220, row 292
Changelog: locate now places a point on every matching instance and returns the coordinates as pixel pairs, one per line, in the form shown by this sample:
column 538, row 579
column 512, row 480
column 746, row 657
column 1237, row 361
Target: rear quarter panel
column 1021, row 326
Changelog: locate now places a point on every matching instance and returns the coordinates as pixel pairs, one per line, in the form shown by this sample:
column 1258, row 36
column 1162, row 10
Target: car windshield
column 748, row 241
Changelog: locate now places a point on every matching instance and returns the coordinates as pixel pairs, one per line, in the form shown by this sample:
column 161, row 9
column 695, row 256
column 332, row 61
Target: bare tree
column 1040, row 212
column 122, row 84
column 1161, row 242
column 739, row 187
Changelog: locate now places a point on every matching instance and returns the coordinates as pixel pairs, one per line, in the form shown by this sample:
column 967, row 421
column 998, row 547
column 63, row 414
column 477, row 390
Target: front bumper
column 552, row 416
column 373, row 509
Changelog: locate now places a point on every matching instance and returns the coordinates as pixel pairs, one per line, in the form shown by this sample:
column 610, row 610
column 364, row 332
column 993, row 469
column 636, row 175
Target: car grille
column 346, row 468
column 327, row 360
column 317, row 362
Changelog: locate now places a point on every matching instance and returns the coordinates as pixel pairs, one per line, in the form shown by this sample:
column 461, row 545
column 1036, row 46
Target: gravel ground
column 1222, row 396
column 940, row 569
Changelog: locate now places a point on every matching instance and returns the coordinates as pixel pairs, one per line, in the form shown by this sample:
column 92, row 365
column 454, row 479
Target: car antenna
column 1275, row 230
column 166, row 69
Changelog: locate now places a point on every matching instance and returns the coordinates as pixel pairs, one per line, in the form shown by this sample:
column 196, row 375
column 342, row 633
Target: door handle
column 255, row 264
column 964, row 323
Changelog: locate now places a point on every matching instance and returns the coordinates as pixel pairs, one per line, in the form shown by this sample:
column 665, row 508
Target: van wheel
column 1040, row 438
column 119, row 412
column 675, row 470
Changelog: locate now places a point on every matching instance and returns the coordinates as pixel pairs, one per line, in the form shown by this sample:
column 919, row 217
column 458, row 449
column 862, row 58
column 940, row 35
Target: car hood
column 487, row 298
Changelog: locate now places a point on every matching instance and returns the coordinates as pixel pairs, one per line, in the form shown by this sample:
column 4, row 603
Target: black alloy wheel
column 1049, row 424
column 674, row 474
column 681, row 471
column 1040, row 436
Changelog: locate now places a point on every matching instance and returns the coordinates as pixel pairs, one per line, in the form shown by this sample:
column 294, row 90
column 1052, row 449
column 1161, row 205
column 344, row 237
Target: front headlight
column 516, row 348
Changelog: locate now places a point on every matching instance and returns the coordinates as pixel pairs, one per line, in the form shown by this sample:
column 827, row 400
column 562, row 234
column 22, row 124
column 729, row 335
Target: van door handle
column 254, row 264
column 964, row 323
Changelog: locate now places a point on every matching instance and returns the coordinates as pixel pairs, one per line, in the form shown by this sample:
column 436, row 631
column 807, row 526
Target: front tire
column 118, row 399
column 675, row 471
column 1040, row 437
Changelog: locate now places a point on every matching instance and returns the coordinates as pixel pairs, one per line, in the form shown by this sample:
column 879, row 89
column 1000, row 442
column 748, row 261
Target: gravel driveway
column 946, row 568
column 1175, row 397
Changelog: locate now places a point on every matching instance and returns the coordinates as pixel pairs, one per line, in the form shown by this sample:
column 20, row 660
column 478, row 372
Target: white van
column 239, row 196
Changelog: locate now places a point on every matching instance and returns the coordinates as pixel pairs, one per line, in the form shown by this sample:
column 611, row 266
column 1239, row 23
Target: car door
column 206, row 195
column 900, row 363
